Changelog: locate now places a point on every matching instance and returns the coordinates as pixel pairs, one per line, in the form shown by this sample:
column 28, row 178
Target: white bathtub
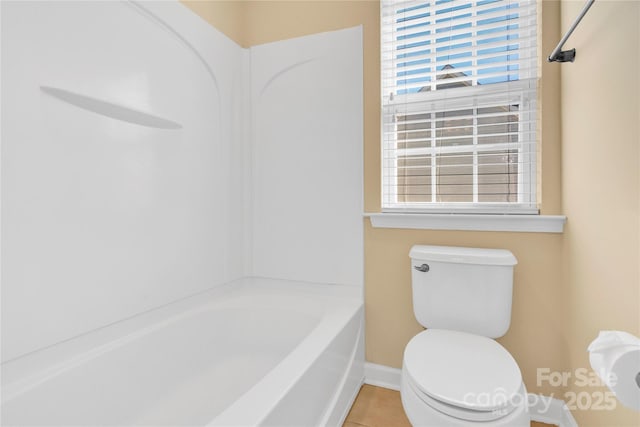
column 252, row 352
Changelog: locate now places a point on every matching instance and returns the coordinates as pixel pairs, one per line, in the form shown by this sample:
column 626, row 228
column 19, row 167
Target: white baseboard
column 543, row 409
column 382, row 376
column 549, row 410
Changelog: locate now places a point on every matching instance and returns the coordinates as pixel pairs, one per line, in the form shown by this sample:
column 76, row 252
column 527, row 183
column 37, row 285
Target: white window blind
column 459, row 105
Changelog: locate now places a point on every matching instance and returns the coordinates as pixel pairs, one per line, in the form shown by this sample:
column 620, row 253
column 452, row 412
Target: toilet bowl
column 455, row 373
column 452, row 378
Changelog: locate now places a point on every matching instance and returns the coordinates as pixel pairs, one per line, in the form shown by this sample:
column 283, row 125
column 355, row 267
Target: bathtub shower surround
column 306, row 98
column 105, row 218
column 150, row 166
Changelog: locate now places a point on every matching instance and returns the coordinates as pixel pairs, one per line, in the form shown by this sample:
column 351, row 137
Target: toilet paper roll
column 615, row 357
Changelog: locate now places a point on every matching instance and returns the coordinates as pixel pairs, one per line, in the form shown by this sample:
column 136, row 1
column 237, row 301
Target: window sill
column 470, row 222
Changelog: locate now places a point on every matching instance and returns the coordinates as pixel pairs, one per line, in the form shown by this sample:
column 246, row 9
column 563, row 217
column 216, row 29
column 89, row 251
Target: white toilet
column 454, row 373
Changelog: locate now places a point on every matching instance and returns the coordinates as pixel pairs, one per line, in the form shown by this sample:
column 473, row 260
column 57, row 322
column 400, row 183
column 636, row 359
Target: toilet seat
column 466, row 376
column 459, row 412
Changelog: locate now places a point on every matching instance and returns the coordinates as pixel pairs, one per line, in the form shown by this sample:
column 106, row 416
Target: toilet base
column 421, row 414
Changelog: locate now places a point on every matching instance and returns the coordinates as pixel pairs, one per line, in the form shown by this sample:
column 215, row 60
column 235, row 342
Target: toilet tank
column 463, row 289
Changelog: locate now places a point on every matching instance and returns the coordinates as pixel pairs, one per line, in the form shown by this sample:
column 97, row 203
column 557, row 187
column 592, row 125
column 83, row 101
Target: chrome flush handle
column 424, row 267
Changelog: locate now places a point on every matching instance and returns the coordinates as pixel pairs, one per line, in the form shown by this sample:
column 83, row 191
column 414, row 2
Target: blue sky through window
column 451, row 41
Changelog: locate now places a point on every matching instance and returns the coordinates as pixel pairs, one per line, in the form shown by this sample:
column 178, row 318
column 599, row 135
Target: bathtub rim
column 283, row 379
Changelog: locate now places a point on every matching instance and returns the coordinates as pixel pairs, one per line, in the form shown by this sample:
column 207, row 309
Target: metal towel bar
column 559, row 55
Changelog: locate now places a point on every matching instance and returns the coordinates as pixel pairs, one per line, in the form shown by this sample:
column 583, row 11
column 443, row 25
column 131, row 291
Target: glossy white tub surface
column 251, row 352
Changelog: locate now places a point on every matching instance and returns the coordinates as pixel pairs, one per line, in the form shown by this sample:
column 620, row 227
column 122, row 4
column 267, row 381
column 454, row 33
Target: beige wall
column 567, row 286
column 601, row 147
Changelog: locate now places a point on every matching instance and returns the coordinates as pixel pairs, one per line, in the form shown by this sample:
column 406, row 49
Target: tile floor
column 381, row 407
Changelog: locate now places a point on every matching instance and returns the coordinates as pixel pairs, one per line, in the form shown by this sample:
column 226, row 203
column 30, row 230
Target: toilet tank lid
column 460, row 255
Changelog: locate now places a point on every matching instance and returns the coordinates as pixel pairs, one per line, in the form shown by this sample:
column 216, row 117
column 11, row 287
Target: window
column 459, row 106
